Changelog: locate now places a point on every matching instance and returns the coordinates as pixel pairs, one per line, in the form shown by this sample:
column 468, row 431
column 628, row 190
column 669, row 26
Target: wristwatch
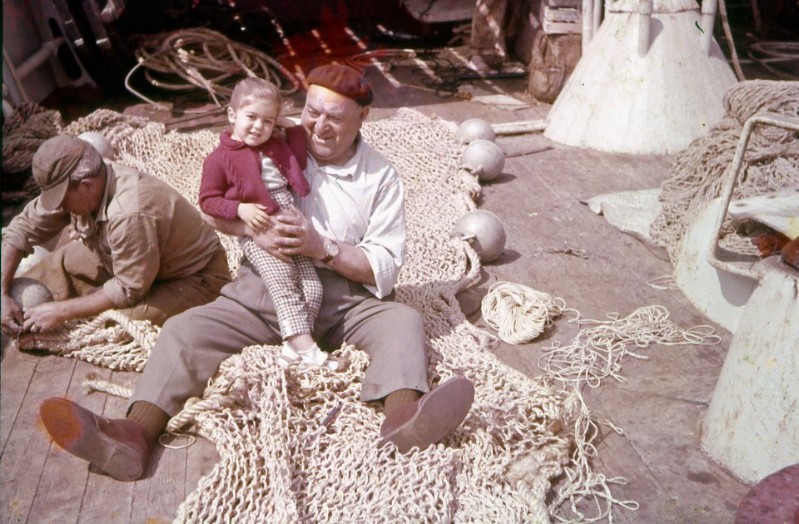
column 331, row 251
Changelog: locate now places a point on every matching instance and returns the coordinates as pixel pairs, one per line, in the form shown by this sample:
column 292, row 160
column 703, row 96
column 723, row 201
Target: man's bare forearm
column 87, row 305
column 10, row 260
column 352, row 264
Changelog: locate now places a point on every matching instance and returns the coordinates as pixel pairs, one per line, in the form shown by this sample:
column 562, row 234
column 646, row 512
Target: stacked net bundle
column 299, row 446
column 771, row 163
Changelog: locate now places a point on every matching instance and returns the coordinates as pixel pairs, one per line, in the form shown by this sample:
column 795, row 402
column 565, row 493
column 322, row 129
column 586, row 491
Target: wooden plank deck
column 40, row 483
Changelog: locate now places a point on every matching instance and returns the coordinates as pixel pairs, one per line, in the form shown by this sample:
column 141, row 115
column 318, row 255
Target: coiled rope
column 519, row 313
column 200, row 58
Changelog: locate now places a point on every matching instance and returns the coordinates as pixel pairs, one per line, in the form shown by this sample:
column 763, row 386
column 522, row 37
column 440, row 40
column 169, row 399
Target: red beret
column 344, row 80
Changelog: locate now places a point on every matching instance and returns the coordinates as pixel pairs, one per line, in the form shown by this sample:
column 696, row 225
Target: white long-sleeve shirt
column 361, row 203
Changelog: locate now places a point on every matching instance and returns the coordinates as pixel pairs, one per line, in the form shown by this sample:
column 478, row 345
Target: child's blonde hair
column 252, row 88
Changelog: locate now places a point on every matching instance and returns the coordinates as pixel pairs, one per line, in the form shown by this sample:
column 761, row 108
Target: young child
column 247, row 177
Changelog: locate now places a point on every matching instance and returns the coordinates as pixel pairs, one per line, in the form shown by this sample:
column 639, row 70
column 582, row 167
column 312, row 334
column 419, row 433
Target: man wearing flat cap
column 352, row 224
column 135, row 244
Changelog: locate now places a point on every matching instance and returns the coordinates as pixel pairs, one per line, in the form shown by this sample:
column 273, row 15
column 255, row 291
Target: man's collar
column 108, row 194
column 346, row 170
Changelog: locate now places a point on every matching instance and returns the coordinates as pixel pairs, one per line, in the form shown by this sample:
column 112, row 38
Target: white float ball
column 484, row 159
column 100, row 143
column 484, row 231
column 475, row 129
column 28, row 293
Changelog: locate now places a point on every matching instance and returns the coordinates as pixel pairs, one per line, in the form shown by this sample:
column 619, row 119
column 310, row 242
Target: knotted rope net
column 299, row 446
column 771, row 163
column 24, row 131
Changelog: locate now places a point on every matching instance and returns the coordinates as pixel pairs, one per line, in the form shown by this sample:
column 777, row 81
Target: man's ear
column 364, row 113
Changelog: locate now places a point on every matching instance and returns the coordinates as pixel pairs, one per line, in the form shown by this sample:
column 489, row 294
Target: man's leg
column 167, row 298
column 393, row 335
column 189, row 350
column 70, row 271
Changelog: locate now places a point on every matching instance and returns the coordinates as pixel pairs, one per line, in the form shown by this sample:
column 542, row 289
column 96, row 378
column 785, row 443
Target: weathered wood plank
column 60, row 493
column 158, row 495
column 26, row 450
column 16, row 373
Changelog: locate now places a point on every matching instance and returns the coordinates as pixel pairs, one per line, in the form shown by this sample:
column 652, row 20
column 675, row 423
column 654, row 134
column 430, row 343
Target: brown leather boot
column 119, row 447
column 431, row 418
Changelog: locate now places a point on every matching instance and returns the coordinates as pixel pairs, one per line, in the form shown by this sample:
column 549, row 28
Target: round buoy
column 484, row 231
column 484, row 159
column 28, row 292
column 475, row 129
column 100, row 143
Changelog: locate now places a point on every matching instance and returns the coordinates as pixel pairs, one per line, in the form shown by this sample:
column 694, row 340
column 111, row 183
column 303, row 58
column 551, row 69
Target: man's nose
column 320, row 124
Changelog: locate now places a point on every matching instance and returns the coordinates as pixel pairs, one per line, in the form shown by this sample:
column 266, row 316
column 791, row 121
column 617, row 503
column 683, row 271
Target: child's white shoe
column 288, row 357
column 313, row 357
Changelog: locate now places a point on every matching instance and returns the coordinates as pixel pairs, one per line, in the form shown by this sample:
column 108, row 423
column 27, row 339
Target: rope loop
column 519, row 313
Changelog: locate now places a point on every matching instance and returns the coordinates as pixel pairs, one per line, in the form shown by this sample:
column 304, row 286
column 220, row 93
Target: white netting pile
column 771, row 162
column 283, row 456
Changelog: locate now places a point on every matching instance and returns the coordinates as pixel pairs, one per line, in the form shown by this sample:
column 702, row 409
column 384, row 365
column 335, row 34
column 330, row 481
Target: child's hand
column 254, row 215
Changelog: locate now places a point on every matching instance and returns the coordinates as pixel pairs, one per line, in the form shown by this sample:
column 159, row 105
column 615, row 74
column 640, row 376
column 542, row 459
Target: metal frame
column 771, row 119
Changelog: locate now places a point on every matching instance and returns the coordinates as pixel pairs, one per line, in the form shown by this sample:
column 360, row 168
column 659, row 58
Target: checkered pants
column 294, row 286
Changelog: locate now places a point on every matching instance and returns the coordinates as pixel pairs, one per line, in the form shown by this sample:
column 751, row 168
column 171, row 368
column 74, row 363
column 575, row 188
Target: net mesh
column 284, row 457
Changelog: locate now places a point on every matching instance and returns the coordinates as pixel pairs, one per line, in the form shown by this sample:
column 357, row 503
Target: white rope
column 93, row 383
column 594, row 354
column 519, row 313
column 663, row 282
column 598, row 352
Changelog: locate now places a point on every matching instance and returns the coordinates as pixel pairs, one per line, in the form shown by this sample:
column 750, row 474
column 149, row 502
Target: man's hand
column 12, row 316
column 267, row 240
column 44, row 317
column 254, row 216
column 297, row 236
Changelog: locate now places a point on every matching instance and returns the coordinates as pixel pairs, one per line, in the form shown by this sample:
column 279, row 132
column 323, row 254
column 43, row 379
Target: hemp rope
column 594, row 354
column 201, row 58
column 771, row 163
column 109, row 340
column 92, row 382
column 519, row 313
column 597, row 353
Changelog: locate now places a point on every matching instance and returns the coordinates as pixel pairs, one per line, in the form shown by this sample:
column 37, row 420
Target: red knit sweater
column 232, row 173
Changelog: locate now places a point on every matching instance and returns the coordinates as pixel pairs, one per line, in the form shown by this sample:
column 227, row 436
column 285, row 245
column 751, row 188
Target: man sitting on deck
column 353, row 226
column 136, row 244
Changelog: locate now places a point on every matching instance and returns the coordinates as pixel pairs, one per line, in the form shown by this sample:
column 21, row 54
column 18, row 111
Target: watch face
column 332, row 249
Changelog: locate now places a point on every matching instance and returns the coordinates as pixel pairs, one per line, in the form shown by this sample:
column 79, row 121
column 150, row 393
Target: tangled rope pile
column 771, row 163
column 598, row 352
column 24, row 131
column 594, row 354
column 519, row 313
column 200, row 58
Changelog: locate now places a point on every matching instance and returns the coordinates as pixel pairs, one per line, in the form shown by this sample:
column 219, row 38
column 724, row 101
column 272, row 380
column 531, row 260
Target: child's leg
column 311, row 286
column 282, row 283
